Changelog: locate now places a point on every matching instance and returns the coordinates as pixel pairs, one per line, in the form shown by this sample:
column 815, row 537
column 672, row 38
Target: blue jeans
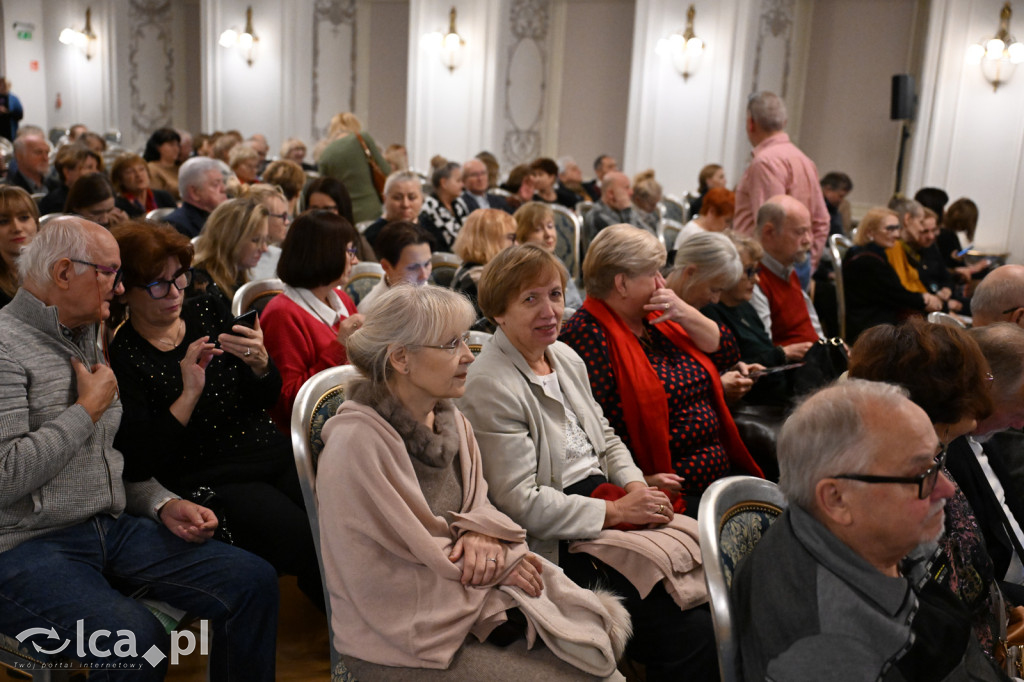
column 84, row 572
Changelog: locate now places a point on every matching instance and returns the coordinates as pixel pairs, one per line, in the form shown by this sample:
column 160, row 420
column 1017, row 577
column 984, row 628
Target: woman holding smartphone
column 195, row 389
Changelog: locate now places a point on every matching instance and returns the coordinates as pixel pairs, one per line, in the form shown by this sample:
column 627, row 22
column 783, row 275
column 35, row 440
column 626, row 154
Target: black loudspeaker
column 903, row 98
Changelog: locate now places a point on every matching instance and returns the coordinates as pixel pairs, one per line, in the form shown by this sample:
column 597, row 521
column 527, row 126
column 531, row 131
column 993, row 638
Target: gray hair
column 769, row 212
column 193, row 172
column 1002, row 289
column 405, row 316
column 767, row 110
column 1002, row 344
column 904, row 205
column 401, row 176
column 563, row 163
column 443, row 173
column 64, row 237
column 620, row 249
column 826, row 435
column 713, row 255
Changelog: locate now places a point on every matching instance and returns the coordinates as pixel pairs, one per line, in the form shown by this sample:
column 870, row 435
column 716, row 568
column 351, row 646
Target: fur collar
column 435, row 448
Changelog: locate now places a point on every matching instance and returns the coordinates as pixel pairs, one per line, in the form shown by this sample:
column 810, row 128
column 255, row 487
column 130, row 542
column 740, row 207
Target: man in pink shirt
column 777, row 167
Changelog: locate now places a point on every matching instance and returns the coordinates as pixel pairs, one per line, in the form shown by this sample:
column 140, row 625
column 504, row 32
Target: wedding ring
column 248, row 352
column 490, row 558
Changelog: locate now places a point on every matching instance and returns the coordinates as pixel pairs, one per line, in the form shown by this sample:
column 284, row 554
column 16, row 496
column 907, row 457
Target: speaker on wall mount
column 903, row 97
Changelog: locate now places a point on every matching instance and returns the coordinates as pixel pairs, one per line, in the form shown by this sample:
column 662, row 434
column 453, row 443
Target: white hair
column 193, row 172
column 714, row 256
column 64, row 237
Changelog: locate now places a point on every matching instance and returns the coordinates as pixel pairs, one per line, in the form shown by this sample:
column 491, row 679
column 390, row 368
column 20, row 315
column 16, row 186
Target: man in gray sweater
column 74, row 537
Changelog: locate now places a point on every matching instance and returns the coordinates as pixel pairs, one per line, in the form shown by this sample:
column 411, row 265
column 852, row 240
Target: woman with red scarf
column 654, row 363
column 130, row 176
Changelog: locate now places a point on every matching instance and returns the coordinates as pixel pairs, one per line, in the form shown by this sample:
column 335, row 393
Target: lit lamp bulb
column 1016, row 53
column 228, row 38
column 245, row 41
column 975, row 53
column 994, row 49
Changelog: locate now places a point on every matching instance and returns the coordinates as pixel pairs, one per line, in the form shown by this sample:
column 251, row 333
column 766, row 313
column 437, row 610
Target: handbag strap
column 368, row 153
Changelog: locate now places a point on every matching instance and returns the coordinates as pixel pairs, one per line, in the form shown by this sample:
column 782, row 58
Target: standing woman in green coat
column 345, row 159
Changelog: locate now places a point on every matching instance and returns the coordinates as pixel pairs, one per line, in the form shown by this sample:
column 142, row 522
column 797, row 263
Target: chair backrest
column 363, row 278
column 477, row 340
column 159, row 214
column 674, row 208
column 316, row 402
column 583, row 207
column 734, row 514
column 443, row 266
column 362, row 225
column 946, row 319
column 568, row 225
column 500, row 192
column 838, row 245
column 50, row 216
column 255, row 295
column 668, row 231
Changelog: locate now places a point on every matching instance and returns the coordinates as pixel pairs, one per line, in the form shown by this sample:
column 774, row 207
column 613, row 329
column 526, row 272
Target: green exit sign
column 24, row 35
column 23, row 30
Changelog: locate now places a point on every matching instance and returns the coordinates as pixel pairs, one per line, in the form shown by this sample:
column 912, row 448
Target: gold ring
column 661, row 509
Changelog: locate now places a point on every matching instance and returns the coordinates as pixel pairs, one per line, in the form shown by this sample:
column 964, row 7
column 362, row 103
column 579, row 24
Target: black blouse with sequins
column 229, row 437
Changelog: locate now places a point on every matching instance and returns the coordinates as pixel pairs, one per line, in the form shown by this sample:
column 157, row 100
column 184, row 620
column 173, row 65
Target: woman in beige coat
column 415, row 557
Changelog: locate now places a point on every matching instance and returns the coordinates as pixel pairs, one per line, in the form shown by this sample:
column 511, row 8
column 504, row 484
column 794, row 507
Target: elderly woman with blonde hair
column 647, row 193
column 535, row 224
column 416, row 558
column 487, row 231
column 555, row 465
column 244, row 162
column 346, row 158
column 654, row 363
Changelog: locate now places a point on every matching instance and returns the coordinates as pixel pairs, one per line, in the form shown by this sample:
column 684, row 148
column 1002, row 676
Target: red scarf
column 644, row 401
column 146, row 202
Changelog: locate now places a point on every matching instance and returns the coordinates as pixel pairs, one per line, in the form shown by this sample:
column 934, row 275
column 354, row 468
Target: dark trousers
column 671, row 643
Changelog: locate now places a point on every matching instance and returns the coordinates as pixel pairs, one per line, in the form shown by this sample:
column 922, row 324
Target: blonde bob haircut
column 528, row 217
column 406, row 316
column 871, row 223
column 620, row 249
column 713, row 257
column 512, row 271
column 482, row 236
column 228, row 228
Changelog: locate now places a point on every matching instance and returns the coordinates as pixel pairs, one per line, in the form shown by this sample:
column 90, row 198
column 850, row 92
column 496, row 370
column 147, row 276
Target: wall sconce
column 84, row 40
column 684, row 48
column 246, row 40
column 450, row 47
column 998, row 55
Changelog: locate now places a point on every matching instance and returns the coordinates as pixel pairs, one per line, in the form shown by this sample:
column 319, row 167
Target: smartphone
column 773, row 370
column 963, row 252
column 245, row 319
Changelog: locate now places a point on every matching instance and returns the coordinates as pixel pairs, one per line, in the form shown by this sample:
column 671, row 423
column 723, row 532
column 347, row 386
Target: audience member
column 603, row 165
column 71, row 162
column 571, row 177
column 19, row 222
column 716, row 212
column 414, row 553
column 258, row 142
column 443, row 214
column 778, row 167
column 71, row 523
column 293, row 149
column 475, row 194
column 615, row 207
column 32, row 155
column 1000, row 297
column 92, row 197
column 161, row 153
column 785, row 309
column 397, row 157
column 544, row 172
column 328, row 194
column 835, row 187
column 130, row 177
column 846, row 546
column 710, row 177
column 403, row 201
column 961, row 216
column 535, row 224
column 647, row 194
column 305, row 327
column 289, row 176
column 935, row 199
column 94, row 142
column 195, row 390
column 654, row 364
column 234, row 239
column 185, row 148
column 404, row 251
column 11, row 111
column 493, row 168
column 346, row 159
column 915, row 258
column 244, row 162
column 201, row 185
column 486, row 233
column 549, row 454
column 874, row 294
column 278, row 219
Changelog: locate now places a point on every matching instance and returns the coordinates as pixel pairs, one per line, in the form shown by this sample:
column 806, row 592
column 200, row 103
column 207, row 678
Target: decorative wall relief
column 774, row 46
column 150, row 66
column 334, row 56
column 525, row 79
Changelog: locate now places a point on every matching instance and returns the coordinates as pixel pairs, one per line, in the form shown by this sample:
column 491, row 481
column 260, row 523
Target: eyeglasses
column 283, row 217
column 892, row 228
column 117, row 274
column 1012, row 310
column 352, row 251
column 452, row 346
column 925, row 482
column 752, row 272
column 162, row 287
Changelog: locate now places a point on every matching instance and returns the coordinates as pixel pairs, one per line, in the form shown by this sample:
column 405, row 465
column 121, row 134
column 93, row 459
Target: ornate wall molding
column 776, row 24
column 526, row 79
column 335, row 14
column 150, row 56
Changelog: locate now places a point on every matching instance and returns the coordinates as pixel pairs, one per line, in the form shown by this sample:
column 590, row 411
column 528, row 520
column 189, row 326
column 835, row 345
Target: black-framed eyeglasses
column 452, row 346
column 925, row 482
column 1012, row 310
column 160, row 288
column 752, row 272
column 117, row 273
column 283, row 217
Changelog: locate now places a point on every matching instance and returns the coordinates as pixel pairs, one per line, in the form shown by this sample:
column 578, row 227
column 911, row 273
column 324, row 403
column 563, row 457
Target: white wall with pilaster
column 968, row 139
column 25, row 60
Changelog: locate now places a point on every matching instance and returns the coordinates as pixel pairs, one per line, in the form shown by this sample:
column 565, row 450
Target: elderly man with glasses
column 75, row 538
column 840, row 587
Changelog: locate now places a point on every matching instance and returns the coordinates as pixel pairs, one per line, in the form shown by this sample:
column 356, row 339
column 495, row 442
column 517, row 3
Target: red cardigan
column 301, row 345
column 791, row 323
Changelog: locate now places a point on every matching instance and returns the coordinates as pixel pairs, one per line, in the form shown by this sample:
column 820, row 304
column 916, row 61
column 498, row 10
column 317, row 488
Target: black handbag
column 824, row 362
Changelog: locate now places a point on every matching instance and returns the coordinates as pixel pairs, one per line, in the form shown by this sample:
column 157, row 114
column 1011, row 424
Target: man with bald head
column 70, row 525
column 474, row 188
column 778, row 167
column 785, row 309
column 1000, row 297
column 615, row 207
column 839, row 587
